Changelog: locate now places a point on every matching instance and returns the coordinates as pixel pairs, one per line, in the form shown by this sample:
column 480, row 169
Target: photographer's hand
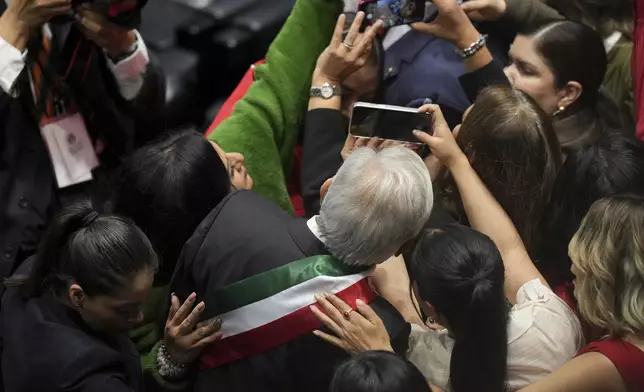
column 22, row 17
column 114, row 39
column 345, row 56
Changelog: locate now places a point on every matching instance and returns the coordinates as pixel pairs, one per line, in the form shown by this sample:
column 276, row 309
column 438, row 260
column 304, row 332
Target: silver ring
column 347, row 45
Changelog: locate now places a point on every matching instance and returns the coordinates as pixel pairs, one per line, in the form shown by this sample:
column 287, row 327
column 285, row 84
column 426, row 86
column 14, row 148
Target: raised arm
column 454, row 25
column 484, row 213
column 266, row 121
column 325, row 130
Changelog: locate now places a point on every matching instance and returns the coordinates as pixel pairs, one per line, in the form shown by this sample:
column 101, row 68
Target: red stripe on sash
column 278, row 332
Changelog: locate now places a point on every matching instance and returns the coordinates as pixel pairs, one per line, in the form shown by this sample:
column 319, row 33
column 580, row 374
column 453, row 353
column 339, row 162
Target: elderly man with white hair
column 257, row 269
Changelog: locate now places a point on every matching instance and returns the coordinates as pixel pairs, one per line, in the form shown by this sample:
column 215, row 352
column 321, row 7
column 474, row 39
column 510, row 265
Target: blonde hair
column 608, row 254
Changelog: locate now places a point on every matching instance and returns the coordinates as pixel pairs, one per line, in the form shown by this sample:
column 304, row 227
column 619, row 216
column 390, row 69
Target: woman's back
column 538, row 319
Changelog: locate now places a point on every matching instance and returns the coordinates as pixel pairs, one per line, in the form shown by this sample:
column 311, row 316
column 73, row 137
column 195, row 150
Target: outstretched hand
column 452, row 24
column 344, row 57
column 184, row 336
column 484, row 10
column 442, row 142
column 355, row 330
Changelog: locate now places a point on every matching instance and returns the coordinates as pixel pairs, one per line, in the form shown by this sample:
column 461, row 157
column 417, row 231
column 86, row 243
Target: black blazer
column 490, row 75
column 244, row 236
column 28, row 192
column 48, row 348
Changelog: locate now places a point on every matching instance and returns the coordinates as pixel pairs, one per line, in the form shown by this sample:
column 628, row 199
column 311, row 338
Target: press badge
column 70, row 149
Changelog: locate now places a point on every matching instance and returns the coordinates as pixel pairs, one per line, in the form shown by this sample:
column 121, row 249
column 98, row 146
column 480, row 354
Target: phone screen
column 393, row 12
column 388, row 124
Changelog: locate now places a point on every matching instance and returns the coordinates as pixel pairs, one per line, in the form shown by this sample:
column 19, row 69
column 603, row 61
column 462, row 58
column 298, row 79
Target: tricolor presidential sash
column 272, row 308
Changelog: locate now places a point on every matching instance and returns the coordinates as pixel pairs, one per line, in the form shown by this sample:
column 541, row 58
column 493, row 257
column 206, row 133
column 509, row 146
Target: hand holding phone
column 393, row 12
column 450, row 22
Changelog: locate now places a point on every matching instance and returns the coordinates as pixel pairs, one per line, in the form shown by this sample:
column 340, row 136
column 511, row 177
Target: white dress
column 543, row 334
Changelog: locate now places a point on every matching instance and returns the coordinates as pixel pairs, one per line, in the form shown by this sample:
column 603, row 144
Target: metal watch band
column 474, row 48
column 326, row 91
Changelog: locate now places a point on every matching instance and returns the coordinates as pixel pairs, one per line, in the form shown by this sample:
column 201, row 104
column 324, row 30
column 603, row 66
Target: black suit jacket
column 28, row 192
column 243, row 236
column 48, row 348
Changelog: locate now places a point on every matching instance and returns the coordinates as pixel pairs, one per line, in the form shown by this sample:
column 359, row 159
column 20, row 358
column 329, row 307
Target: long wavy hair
column 514, row 149
column 608, row 259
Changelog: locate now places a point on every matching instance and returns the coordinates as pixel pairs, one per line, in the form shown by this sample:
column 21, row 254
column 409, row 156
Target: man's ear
column 325, row 188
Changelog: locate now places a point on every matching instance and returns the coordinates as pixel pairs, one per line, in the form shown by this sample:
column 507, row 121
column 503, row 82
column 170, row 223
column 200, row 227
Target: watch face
column 326, row 91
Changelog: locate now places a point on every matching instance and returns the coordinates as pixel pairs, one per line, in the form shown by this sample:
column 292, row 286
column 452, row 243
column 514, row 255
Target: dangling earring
column 558, row 111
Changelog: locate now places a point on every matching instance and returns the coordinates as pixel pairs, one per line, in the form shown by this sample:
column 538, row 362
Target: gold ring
column 346, row 314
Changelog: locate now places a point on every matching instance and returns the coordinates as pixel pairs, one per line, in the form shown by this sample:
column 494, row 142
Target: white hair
column 376, row 203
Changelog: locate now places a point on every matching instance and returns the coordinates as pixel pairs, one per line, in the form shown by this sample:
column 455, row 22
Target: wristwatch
column 326, row 91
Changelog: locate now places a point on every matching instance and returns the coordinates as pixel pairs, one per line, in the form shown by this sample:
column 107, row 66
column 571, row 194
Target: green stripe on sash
column 271, row 282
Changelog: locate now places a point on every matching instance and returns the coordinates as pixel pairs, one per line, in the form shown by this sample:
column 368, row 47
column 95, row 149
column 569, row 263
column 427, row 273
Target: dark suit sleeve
column 490, row 75
column 146, row 109
column 396, row 326
column 324, row 137
column 149, row 102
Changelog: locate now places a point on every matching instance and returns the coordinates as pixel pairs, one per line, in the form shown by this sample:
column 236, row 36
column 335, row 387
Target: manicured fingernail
column 417, row 132
column 173, row 294
column 201, row 306
column 316, row 333
column 359, row 302
column 317, row 297
column 216, row 323
column 313, row 308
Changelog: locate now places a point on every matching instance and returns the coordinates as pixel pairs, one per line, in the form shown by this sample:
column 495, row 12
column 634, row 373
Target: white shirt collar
column 313, row 226
column 394, row 35
column 611, row 41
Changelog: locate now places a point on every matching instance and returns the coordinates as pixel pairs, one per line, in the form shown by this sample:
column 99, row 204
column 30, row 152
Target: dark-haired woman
column 378, row 371
column 67, row 310
column 167, row 188
column 561, row 65
column 611, row 166
column 462, row 278
column 611, row 19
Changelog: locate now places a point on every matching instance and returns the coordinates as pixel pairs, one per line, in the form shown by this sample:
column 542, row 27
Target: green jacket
column 264, row 127
column 265, row 123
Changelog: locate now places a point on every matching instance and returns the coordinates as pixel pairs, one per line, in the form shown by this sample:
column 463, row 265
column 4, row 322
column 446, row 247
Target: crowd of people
column 276, row 252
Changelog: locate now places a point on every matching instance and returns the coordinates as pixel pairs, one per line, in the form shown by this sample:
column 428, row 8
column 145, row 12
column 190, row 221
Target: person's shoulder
column 541, row 315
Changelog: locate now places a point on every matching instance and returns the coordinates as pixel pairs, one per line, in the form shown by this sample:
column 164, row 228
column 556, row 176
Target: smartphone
column 393, row 12
column 390, row 123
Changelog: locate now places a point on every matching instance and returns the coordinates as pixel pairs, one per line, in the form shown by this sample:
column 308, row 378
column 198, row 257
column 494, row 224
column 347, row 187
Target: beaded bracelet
column 168, row 368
